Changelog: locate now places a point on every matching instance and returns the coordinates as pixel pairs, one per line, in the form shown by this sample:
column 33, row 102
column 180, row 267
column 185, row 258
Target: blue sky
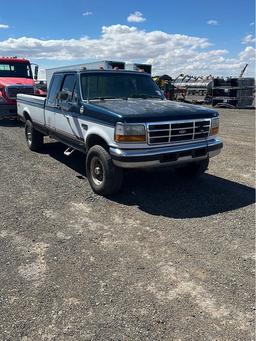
column 53, row 31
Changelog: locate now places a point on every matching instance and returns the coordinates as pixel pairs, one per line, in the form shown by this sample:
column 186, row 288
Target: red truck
column 15, row 77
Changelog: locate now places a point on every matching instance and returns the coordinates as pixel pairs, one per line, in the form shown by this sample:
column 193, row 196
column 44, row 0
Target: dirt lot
column 166, row 259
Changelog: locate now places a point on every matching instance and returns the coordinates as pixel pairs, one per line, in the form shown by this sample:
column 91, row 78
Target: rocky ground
column 166, row 259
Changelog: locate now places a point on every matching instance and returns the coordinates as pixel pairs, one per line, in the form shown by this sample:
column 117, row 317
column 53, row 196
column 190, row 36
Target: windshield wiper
column 102, row 98
column 144, row 96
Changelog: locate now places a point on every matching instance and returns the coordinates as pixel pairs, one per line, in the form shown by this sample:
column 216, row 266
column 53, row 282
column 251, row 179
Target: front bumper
column 165, row 156
column 8, row 110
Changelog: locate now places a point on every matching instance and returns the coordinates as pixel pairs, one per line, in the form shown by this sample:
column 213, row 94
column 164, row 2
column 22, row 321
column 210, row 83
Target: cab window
column 54, row 88
column 69, row 86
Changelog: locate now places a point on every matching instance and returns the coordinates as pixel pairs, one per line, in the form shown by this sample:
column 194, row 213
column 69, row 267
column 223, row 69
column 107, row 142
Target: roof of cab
column 13, row 59
column 100, row 71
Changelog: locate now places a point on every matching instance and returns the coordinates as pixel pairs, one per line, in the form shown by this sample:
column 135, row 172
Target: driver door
column 67, row 116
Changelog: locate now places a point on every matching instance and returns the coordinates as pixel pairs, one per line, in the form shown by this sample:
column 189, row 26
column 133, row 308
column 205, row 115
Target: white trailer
column 104, row 64
column 138, row 67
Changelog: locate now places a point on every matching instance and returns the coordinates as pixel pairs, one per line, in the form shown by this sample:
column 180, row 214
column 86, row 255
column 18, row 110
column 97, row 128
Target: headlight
column 215, row 126
column 130, row 133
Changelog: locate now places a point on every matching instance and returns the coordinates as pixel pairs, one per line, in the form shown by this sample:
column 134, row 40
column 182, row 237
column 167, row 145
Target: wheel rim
column 97, row 171
column 29, row 134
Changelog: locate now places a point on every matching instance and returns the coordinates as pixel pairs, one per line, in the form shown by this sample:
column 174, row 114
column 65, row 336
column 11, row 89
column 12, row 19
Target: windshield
column 15, row 69
column 118, row 85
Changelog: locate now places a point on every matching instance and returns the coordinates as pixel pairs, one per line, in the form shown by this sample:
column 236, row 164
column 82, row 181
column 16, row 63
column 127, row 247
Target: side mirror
column 63, row 96
column 36, row 73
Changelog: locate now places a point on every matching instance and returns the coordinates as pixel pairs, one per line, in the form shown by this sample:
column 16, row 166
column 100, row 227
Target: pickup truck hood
column 4, row 81
column 149, row 110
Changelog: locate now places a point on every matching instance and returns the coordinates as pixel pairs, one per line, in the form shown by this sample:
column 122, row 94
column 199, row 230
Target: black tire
column 34, row 138
column 104, row 177
column 193, row 169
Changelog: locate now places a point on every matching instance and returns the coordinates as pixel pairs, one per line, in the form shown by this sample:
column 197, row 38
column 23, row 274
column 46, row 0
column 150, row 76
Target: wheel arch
column 26, row 115
column 95, row 139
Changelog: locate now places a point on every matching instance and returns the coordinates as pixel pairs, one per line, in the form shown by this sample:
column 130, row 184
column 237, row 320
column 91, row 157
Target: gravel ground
column 166, row 259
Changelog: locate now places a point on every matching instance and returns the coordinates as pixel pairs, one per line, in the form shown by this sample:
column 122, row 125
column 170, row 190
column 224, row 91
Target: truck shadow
column 10, row 122
column 162, row 192
column 165, row 193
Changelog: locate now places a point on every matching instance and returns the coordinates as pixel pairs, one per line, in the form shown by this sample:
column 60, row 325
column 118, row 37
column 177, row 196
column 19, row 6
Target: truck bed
column 33, row 105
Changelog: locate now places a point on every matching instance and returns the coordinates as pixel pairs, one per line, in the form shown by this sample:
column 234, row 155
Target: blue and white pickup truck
column 120, row 119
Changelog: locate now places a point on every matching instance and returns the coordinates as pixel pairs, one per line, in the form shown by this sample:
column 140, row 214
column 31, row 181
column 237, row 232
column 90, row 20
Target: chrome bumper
column 165, row 156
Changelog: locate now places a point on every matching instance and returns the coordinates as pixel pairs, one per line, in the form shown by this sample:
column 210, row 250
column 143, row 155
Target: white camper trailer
column 104, row 64
column 138, row 67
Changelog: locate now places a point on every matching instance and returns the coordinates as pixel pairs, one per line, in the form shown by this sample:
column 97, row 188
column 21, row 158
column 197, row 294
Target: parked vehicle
column 15, row 77
column 120, row 120
column 41, row 87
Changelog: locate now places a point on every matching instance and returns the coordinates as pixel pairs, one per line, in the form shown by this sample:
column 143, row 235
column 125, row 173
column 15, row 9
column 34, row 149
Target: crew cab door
column 67, row 116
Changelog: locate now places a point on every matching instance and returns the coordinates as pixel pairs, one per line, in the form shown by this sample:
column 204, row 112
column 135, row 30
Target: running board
column 69, row 151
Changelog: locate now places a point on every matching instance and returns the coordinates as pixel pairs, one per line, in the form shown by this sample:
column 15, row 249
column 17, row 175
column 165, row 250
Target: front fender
column 106, row 133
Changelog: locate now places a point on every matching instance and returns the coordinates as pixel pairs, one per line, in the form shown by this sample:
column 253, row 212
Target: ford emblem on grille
column 182, row 131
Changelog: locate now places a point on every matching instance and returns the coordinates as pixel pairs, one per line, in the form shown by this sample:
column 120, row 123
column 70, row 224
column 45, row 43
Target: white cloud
column 248, row 39
column 87, row 13
column 212, row 22
column 4, row 26
column 117, row 29
column 169, row 53
column 248, row 54
column 136, row 17
column 252, row 24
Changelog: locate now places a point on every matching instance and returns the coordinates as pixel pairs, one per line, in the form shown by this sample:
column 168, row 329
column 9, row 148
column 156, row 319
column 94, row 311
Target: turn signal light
column 130, row 138
column 125, row 132
column 215, row 126
column 214, row 131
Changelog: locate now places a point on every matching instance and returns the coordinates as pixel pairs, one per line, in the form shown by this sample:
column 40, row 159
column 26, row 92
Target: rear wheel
column 194, row 168
column 34, row 138
column 104, row 177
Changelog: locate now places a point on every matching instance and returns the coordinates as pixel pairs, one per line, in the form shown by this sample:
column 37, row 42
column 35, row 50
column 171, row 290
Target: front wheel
column 34, row 138
column 194, row 168
column 104, row 177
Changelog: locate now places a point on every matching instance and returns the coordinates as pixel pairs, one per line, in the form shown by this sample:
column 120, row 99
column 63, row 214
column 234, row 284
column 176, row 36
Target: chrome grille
column 168, row 132
column 12, row 91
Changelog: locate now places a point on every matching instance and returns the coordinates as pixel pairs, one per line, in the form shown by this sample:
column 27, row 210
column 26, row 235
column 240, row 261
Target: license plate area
column 199, row 152
column 172, row 157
